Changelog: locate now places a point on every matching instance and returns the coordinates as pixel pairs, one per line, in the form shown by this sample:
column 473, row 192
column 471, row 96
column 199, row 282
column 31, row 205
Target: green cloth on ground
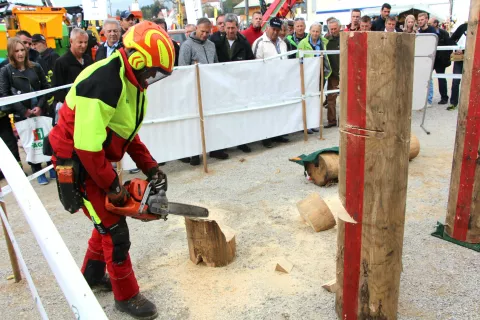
column 312, row 157
column 440, row 233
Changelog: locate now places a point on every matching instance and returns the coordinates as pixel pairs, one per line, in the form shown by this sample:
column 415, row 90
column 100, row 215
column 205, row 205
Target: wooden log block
column 283, row 265
column 209, row 243
column 327, row 169
column 463, row 211
column 376, row 81
column 414, row 147
column 316, row 213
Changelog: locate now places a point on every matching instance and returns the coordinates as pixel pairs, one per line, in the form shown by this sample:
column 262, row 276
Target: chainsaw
column 148, row 201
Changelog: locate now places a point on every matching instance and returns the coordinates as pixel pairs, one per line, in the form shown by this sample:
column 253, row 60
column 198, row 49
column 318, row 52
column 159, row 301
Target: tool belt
column 69, row 179
column 69, row 183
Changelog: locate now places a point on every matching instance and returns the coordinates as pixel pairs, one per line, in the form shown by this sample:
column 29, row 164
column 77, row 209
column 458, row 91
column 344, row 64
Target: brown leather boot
column 138, row 307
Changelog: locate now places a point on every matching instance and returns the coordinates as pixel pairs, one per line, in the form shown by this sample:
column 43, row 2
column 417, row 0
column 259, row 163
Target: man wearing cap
column 255, row 30
column 48, row 56
column 269, row 45
column 111, row 29
column 127, row 20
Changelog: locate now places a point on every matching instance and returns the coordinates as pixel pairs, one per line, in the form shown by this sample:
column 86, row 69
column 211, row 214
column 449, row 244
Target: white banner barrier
column 76, row 290
column 245, row 102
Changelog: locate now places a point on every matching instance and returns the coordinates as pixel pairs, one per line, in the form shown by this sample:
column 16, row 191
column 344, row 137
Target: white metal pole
column 76, row 290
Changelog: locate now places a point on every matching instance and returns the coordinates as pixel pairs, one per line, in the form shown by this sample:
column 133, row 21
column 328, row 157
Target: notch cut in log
column 209, row 243
column 414, row 147
column 315, row 212
column 327, row 169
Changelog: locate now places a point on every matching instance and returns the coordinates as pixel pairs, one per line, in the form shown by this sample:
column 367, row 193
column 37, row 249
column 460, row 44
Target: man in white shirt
column 111, row 29
column 270, row 44
column 390, row 24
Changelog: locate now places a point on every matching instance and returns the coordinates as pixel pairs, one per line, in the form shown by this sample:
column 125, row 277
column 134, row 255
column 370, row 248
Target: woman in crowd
column 410, row 24
column 315, row 41
column 23, row 76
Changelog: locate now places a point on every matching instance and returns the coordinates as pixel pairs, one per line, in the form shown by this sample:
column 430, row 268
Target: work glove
column 118, row 194
column 155, row 174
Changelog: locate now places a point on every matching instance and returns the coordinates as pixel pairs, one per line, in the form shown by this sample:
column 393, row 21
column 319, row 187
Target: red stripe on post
column 355, row 164
column 470, row 150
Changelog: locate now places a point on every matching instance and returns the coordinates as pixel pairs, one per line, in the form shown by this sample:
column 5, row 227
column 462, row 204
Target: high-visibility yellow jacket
column 100, row 118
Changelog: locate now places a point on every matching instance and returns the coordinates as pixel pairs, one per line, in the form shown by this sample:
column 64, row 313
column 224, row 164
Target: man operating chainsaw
column 98, row 123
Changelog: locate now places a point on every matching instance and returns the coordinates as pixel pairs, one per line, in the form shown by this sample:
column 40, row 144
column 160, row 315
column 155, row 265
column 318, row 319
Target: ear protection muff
column 137, row 60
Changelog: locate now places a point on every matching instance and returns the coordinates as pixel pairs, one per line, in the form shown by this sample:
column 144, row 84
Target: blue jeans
column 430, row 92
column 457, row 69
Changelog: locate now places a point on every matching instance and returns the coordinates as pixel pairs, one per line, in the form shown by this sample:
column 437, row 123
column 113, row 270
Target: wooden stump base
column 208, row 243
column 327, row 170
column 414, row 147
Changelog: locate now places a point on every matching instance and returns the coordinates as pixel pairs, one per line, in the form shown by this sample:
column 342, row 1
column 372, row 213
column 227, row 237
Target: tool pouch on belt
column 68, row 184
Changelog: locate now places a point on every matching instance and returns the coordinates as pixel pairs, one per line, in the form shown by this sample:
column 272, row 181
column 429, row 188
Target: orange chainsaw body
column 136, row 187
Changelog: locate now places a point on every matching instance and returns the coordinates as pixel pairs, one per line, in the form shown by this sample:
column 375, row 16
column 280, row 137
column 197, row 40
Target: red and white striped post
column 376, row 81
column 463, row 211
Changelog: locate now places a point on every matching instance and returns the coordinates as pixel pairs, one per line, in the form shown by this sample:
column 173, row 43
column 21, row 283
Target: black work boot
column 138, row 307
column 95, row 275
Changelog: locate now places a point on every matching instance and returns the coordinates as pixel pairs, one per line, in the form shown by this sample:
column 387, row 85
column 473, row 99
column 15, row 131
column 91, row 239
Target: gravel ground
column 255, row 194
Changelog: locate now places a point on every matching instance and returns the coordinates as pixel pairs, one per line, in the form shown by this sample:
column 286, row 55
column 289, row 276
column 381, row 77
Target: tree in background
column 117, row 13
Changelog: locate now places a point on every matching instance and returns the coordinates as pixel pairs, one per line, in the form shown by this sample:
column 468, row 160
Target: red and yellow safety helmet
column 152, row 45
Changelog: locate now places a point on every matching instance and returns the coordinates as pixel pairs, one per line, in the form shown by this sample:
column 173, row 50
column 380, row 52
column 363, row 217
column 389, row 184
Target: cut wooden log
column 331, row 286
column 372, row 183
column 414, row 147
column 327, row 169
column 316, row 213
column 209, row 243
column 283, row 265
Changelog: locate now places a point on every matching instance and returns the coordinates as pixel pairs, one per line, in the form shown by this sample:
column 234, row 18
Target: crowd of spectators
column 32, row 66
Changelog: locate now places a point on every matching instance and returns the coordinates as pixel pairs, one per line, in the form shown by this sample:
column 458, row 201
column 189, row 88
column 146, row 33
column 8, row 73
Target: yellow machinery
column 43, row 20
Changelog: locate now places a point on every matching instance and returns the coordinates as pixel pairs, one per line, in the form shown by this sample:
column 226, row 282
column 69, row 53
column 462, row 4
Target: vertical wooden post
column 202, row 126
column 304, row 103
column 120, row 171
column 463, row 210
column 11, row 251
column 322, row 85
column 376, row 78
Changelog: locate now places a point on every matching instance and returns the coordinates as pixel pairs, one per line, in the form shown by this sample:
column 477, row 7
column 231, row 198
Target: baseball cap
column 38, row 38
column 125, row 14
column 276, row 23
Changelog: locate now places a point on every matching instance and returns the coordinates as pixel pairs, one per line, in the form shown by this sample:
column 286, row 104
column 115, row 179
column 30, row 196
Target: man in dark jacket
column 334, row 79
column 111, row 29
column 442, row 58
column 299, row 34
column 379, row 24
column 48, row 56
column 459, row 38
column 127, row 20
column 69, row 66
column 232, row 46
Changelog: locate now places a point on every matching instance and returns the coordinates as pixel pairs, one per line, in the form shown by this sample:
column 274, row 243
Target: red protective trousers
column 101, row 247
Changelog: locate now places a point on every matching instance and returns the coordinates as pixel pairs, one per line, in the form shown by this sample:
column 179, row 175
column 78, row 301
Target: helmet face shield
column 148, row 76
